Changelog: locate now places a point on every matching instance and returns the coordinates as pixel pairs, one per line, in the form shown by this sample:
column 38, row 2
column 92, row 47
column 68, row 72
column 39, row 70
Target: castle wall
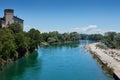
column 19, row 21
column 9, row 16
column 2, row 23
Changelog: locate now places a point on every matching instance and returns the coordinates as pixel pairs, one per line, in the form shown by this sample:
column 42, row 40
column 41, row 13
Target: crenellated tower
column 9, row 16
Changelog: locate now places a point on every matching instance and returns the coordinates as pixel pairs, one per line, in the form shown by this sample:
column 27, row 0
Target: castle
column 9, row 18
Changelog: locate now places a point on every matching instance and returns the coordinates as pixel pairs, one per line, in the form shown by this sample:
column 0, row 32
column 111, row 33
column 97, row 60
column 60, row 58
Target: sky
column 83, row 16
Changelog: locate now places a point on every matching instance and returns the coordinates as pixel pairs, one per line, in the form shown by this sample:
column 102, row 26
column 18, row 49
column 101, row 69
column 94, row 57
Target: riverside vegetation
column 110, row 39
column 15, row 43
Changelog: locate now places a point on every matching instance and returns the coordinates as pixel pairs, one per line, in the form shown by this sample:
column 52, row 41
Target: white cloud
column 90, row 29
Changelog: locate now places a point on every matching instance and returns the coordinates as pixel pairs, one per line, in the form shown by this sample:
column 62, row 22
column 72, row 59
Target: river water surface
column 63, row 62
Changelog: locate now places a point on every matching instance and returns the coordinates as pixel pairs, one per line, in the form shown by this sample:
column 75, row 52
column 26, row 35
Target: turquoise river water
column 63, row 62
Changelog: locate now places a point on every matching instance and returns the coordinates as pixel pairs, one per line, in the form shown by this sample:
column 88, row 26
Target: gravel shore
column 111, row 57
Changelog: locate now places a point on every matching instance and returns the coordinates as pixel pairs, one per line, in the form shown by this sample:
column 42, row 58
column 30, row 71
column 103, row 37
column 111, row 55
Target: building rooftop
column 8, row 10
column 18, row 18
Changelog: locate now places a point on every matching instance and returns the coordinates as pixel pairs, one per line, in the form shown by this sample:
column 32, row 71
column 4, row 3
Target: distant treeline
column 110, row 39
column 94, row 37
column 14, row 43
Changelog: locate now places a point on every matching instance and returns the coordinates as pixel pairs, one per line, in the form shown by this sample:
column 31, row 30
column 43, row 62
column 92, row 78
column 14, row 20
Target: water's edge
column 67, row 62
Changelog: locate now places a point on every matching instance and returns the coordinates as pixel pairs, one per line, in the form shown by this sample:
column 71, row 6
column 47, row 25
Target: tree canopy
column 15, row 43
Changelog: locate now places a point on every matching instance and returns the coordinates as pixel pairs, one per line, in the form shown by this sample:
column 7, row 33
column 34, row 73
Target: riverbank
column 71, row 61
column 111, row 57
column 5, row 63
column 58, row 43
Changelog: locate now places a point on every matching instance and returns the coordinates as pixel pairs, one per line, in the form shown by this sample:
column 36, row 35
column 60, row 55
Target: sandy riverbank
column 109, row 56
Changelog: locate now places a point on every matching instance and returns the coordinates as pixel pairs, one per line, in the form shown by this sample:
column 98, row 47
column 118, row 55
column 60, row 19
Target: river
column 63, row 62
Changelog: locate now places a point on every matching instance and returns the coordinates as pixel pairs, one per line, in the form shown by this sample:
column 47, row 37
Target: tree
column 84, row 36
column 34, row 35
column 95, row 37
column 66, row 36
column 15, row 27
column 111, row 39
column 74, row 36
column 22, row 43
column 35, row 38
column 51, row 40
column 44, row 37
column 8, row 47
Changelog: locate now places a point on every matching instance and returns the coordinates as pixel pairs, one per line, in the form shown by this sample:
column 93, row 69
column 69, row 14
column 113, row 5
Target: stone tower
column 9, row 16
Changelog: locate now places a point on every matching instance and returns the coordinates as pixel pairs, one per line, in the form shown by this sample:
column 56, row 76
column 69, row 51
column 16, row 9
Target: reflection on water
column 69, row 45
column 19, row 67
column 57, row 62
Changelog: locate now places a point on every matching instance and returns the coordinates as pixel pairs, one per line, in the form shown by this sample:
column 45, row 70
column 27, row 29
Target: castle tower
column 9, row 16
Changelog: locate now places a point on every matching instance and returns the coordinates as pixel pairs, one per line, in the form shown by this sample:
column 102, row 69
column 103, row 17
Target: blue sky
column 84, row 16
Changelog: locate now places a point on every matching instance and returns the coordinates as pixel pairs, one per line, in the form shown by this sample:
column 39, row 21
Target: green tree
column 74, row 36
column 109, row 39
column 35, row 38
column 8, row 47
column 34, row 35
column 15, row 27
column 22, row 43
column 66, row 36
column 44, row 37
column 51, row 40
column 111, row 35
column 96, row 37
